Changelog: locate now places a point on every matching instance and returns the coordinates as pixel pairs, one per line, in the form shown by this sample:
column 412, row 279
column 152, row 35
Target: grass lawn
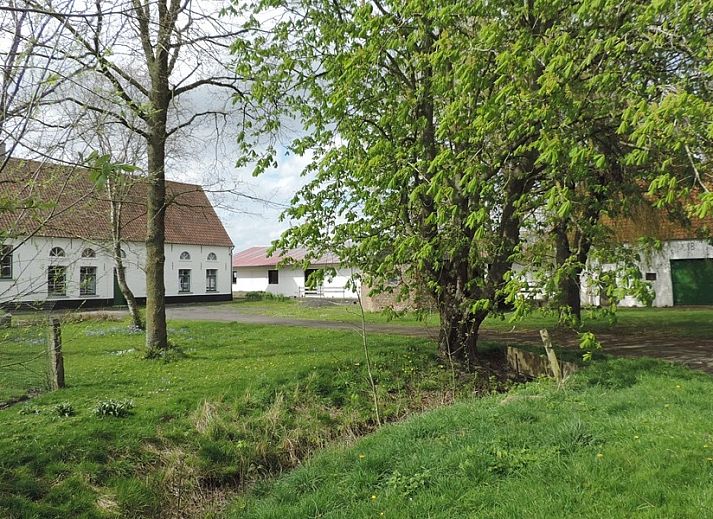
column 684, row 322
column 625, row 438
column 247, row 402
column 23, row 361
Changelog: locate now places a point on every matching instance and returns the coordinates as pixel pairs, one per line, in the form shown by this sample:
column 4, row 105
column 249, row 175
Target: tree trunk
column 570, row 285
column 126, row 291
column 459, row 334
column 116, row 194
column 156, row 333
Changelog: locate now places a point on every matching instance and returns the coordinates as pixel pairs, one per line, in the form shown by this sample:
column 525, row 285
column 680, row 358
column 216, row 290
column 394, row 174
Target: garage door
column 692, row 281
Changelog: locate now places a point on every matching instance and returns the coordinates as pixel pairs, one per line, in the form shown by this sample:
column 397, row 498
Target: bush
column 115, row 408
column 264, row 296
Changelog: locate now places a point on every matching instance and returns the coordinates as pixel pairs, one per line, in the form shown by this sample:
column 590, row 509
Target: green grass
column 23, row 361
column 684, row 322
column 625, row 438
column 247, row 402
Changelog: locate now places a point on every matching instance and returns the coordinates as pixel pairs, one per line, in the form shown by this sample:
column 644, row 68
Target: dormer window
column 57, row 252
column 185, row 255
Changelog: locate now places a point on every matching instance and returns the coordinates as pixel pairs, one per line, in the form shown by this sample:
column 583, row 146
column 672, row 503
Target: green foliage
column 115, row 408
column 449, row 139
column 264, row 296
column 64, row 409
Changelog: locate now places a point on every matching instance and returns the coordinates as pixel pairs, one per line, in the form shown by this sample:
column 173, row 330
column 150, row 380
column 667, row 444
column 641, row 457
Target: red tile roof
column 257, row 257
column 647, row 221
column 71, row 205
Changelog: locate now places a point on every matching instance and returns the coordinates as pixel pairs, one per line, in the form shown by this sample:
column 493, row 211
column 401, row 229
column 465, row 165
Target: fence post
column 55, row 355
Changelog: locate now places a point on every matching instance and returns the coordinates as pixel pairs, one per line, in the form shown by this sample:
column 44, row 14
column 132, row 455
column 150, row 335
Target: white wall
column 659, row 262
column 291, row 281
column 31, row 261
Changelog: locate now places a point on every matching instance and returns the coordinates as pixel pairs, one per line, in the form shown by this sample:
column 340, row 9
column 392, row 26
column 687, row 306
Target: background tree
column 177, row 45
column 443, row 132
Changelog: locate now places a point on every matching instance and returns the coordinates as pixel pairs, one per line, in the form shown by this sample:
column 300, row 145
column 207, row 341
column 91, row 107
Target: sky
column 249, row 222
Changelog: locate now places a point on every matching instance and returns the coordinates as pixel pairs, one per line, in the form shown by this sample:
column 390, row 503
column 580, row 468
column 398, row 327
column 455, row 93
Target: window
column 651, row 276
column 57, row 252
column 89, row 253
column 87, row 281
column 122, row 253
column 57, row 281
column 235, row 277
column 212, row 256
column 211, row 280
column 184, row 280
column 272, row 277
column 6, row 262
column 185, row 255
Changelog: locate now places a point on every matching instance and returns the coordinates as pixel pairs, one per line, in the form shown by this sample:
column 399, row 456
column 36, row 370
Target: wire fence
column 24, row 360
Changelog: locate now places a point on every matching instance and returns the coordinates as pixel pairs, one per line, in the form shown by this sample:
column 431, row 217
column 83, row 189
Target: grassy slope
column 624, row 439
column 247, row 401
column 685, row 322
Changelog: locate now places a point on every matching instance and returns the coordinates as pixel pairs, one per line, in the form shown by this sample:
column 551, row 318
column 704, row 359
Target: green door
column 119, row 299
column 692, row 281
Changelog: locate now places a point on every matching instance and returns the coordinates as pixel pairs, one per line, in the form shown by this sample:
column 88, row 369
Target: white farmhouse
column 56, row 240
column 255, row 271
column 680, row 271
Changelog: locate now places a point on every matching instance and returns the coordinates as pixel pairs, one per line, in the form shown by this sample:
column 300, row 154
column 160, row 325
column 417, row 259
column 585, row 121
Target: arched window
column 185, row 255
column 57, row 252
column 212, row 256
column 122, row 253
column 89, row 253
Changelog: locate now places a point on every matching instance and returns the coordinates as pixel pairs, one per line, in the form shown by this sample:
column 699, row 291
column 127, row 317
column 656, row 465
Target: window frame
column 208, row 278
column 270, row 280
column 82, row 284
column 52, row 281
column 181, row 289
column 57, row 252
column 6, row 261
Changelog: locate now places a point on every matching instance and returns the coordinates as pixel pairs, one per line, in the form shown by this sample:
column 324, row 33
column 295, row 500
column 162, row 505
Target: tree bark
column 116, row 201
column 156, row 332
column 458, row 338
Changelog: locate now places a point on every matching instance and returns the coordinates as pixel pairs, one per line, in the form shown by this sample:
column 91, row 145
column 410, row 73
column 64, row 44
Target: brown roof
column 257, row 257
column 56, row 200
column 648, row 221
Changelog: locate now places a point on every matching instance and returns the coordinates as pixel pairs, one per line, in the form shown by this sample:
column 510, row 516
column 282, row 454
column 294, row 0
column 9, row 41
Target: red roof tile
column 73, row 206
column 257, row 257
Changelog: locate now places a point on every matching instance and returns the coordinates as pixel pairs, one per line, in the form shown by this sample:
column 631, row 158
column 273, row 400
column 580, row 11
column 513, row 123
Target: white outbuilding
column 255, row 271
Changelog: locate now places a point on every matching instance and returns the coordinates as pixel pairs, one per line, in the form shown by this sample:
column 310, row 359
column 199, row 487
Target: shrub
column 64, row 409
column 264, row 296
column 115, row 408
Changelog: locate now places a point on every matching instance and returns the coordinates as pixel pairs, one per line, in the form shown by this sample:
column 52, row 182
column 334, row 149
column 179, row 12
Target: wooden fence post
column 55, row 355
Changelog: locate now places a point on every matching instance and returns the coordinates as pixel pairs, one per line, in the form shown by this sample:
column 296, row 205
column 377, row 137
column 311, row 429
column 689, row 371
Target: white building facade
column 67, row 261
column 254, row 271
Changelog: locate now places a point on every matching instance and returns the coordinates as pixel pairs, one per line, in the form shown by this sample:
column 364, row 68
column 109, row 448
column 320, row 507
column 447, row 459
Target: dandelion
column 600, row 455
column 373, row 498
column 636, row 437
column 362, row 456
column 667, row 405
column 678, row 386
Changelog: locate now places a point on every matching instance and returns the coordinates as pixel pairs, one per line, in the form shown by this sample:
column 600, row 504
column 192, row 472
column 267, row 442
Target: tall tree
column 444, row 133
column 178, row 46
